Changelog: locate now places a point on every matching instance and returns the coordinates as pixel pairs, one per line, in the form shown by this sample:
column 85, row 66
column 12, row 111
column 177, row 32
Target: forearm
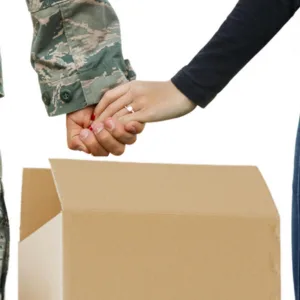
column 249, row 27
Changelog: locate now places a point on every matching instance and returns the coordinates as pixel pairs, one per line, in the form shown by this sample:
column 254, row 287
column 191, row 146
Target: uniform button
column 46, row 98
column 65, row 95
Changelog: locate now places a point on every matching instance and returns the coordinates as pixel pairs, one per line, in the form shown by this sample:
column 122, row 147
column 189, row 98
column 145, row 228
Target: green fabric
column 1, row 80
column 76, row 50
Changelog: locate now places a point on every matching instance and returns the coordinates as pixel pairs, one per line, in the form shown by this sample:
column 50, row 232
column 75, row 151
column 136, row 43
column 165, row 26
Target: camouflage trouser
column 4, row 240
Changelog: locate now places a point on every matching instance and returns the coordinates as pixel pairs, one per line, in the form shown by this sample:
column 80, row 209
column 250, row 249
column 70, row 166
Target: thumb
column 73, row 136
column 134, row 127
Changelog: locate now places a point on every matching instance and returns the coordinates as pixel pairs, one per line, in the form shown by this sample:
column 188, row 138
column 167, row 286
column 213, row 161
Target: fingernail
column 91, row 128
column 110, row 124
column 98, row 128
column 132, row 130
column 93, row 117
column 84, row 134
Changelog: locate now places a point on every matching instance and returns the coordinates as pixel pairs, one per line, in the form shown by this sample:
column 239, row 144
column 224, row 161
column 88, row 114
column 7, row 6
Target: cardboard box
column 125, row 231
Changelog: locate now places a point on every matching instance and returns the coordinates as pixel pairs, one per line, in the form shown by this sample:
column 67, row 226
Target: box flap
column 40, row 202
column 161, row 188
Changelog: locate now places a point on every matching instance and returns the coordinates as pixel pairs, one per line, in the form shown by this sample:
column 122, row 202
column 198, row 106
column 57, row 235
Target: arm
column 76, row 52
column 249, row 27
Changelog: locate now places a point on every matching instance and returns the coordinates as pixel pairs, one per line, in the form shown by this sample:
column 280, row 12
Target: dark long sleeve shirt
column 249, row 27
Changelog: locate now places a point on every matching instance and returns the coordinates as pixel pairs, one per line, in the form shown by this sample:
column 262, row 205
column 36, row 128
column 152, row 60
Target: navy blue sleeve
column 249, row 27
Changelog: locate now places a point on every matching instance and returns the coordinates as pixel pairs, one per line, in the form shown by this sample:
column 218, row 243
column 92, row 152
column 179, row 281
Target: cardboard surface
column 40, row 202
column 41, row 254
column 161, row 188
column 148, row 231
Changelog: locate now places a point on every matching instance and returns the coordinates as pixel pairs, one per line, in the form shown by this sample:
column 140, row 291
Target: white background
column 253, row 121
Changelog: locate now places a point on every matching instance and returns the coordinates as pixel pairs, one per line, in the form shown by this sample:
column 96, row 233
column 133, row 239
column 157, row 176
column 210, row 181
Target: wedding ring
column 129, row 109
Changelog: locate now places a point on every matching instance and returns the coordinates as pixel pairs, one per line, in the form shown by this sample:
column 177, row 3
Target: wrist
column 181, row 96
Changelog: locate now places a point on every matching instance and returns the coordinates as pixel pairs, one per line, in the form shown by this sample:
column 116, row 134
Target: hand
column 150, row 101
column 109, row 136
column 112, row 139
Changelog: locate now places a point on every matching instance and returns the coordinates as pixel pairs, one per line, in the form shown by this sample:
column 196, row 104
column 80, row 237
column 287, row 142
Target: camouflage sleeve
column 76, row 52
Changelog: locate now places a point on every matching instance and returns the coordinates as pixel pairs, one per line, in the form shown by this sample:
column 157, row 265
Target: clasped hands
column 109, row 126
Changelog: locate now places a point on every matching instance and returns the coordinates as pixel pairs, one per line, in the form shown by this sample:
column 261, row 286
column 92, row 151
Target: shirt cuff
column 192, row 90
column 81, row 90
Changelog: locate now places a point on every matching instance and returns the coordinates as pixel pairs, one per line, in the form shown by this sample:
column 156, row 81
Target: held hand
column 150, row 102
column 81, row 138
column 110, row 136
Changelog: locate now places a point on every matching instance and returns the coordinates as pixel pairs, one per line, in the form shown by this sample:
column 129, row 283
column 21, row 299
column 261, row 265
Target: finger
column 90, row 141
column 111, row 96
column 76, row 144
column 121, row 113
column 134, row 127
column 118, row 131
column 116, row 106
column 142, row 116
column 106, row 140
column 73, row 140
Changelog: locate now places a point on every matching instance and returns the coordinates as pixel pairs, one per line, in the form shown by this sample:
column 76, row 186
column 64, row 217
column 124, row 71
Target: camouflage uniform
column 77, row 54
column 1, row 79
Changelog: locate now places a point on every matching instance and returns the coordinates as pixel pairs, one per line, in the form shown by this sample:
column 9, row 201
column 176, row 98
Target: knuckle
column 100, row 152
column 104, row 136
column 118, row 134
column 72, row 145
column 109, row 110
column 119, row 150
column 107, row 96
column 132, row 140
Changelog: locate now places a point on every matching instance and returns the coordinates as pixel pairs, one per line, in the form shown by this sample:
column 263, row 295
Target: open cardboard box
column 128, row 231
